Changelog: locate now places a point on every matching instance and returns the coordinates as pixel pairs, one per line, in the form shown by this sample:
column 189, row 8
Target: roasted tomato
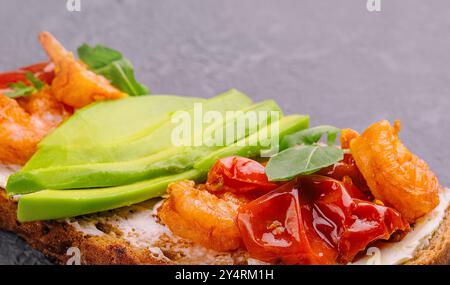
column 313, row 220
column 273, row 229
column 238, row 175
column 44, row 71
column 347, row 172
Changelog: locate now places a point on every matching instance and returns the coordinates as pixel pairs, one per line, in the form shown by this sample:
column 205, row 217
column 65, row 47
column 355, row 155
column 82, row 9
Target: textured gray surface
column 335, row 61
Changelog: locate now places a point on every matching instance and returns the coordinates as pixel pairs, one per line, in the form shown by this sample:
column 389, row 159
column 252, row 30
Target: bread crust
column 54, row 238
column 438, row 250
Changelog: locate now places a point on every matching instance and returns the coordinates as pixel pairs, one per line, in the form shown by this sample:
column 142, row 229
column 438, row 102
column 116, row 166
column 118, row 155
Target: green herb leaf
column 36, row 82
column 19, row 89
column 112, row 65
column 301, row 160
column 311, row 136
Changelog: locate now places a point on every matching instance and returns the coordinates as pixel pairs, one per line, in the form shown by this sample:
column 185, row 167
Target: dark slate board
column 335, row 61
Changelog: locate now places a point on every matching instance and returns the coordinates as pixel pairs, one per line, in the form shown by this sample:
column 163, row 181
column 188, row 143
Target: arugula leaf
column 301, row 160
column 311, row 136
column 20, row 89
column 112, row 65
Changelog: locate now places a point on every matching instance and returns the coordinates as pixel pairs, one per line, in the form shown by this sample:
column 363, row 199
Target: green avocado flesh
column 105, row 123
column 150, row 138
column 169, row 161
column 56, row 204
column 109, row 121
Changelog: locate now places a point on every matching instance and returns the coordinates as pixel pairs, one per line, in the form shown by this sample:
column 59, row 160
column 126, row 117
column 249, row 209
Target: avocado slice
column 144, row 142
column 56, row 204
column 167, row 162
column 255, row 143
column 105, row 123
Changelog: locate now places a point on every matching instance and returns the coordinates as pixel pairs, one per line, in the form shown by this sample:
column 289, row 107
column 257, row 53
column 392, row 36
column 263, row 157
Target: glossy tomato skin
column 238, row 175
column 44, row 71
column 274, row 230
column 372, row 222
column 347, row 172
column 313, row 220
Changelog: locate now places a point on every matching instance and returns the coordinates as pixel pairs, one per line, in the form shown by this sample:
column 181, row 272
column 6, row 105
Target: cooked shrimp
column 395, row 175
column 201, row 217
column 74, row 84
column 24, row 122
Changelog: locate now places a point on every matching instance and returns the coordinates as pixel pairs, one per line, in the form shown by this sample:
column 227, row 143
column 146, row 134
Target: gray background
column 331, row 59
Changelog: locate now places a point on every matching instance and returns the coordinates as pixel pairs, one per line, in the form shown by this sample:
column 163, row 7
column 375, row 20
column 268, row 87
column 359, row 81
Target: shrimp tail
column 54, row 49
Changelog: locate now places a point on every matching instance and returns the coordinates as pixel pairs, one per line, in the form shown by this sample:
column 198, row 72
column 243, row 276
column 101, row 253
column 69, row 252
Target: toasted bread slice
column 438, row 249
column 131, row 235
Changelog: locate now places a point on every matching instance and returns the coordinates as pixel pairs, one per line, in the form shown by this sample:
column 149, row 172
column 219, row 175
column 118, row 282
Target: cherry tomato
column 313, row 220
column 347, row 172
column 43, row 71
column 371, row 222
column 274, row 229
column 239, row 175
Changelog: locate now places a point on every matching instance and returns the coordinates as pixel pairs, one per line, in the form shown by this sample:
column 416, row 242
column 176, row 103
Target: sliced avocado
column 109, row 121
column 167, row 162
column 141, row 143
column 252, row 145
column 56, row 204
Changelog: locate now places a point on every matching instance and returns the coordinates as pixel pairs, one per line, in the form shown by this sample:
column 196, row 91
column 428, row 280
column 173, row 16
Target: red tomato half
column 274, row 229
column 347, row 172
column 44, row 71
column 313, row 220
column 239, row 175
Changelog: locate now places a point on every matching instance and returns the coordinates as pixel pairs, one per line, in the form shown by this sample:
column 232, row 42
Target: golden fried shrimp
column 44, row 109
column 201, row 217
column 74, row 84
column 25, row 121
column 395, row 175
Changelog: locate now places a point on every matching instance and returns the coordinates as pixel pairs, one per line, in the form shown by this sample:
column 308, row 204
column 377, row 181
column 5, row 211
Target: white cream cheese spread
column 389, row 253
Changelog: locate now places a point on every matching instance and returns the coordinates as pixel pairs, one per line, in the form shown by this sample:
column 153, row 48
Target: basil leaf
column 19, row 89
column 301, row 160
column 112, row 65
column 311, row 136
